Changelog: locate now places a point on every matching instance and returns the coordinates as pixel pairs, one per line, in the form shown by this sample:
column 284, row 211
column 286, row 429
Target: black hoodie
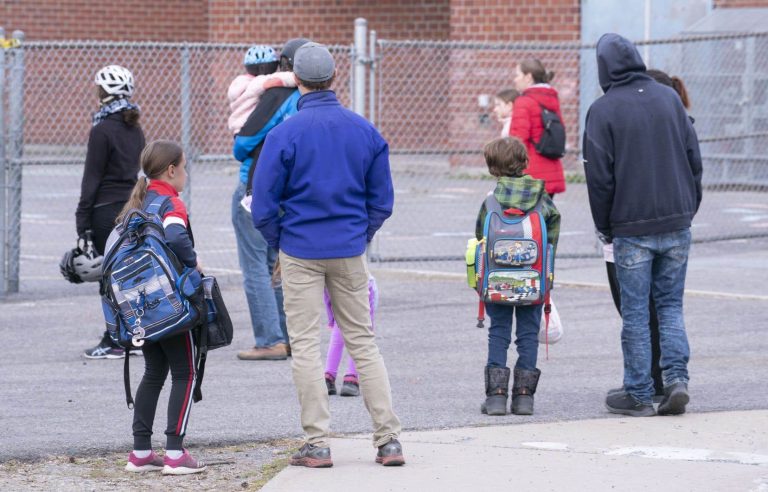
column 641, row 153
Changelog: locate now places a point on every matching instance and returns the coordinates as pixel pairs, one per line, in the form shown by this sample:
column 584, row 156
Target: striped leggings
column 176, row 353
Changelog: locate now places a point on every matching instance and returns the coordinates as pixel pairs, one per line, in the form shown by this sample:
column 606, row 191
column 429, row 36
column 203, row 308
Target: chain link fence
column 434, row 104
column 431, row 100
column 181, row 89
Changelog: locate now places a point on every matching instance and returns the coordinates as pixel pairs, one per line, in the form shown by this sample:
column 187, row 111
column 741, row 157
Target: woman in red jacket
column 532, row 81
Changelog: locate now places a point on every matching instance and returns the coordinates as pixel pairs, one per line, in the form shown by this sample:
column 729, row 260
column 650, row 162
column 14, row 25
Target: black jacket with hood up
column 641, row 153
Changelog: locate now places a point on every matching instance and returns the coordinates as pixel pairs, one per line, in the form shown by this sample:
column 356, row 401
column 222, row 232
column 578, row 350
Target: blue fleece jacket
column 641, row 153
column 322, row 186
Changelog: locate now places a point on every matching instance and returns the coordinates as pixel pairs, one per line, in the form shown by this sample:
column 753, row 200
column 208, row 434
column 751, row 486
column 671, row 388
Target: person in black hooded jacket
column 643, row 170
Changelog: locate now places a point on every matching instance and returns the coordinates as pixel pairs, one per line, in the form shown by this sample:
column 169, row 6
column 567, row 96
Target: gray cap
column 313, row 63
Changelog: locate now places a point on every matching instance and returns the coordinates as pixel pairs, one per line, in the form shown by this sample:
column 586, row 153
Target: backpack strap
column 127, row 380
column 202, row 351
column 156, row 204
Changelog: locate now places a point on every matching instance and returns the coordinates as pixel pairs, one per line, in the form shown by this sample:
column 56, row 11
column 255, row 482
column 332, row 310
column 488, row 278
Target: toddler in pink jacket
column 245, row 90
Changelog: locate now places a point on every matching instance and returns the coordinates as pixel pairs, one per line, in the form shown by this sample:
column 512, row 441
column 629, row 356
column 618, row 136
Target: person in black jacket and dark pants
column 643, row 168
column 111, row 168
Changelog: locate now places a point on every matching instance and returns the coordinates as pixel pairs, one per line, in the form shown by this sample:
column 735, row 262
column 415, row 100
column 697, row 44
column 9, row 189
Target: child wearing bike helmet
column 261, row 64
column 111, row 167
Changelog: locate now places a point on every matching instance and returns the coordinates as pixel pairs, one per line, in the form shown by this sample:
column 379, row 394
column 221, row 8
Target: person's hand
column 604, row 238
column 199, row 267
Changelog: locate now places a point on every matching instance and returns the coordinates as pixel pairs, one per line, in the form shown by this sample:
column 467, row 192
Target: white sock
column 142, row 453
column 174, row 454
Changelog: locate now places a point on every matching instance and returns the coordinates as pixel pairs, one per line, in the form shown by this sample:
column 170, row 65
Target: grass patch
column 269, row 471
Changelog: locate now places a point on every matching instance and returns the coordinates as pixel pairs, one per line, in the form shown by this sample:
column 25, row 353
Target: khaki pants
column 347, row 282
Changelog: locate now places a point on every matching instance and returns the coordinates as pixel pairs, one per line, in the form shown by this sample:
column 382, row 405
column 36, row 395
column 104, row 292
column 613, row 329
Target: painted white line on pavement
column 691, row 454
column 547, row 446
column 565, row 283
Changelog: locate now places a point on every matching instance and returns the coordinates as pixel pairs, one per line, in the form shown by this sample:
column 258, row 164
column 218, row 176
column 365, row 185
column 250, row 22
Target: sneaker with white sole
column 153, row 462
column 182, row 466
column 104, row 350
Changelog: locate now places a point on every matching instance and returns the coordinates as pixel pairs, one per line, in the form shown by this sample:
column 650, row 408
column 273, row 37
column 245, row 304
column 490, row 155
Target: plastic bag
column 555, row 327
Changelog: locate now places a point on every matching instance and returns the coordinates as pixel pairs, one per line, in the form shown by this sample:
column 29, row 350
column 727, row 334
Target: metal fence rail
column 431, row 100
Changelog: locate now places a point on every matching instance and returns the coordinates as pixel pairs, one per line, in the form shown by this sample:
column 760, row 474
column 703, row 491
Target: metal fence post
column 186, row 123
column 15, row 151
column 3, row 172
column 372, row 83
column 358, row 94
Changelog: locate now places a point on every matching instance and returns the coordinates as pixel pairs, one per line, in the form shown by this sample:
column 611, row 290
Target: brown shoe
column 275, row 352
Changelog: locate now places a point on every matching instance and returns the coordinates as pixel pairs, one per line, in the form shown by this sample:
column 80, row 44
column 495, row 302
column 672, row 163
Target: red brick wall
column 127, row 20
column 517, row 20
column 274, row 21
column 724, row 4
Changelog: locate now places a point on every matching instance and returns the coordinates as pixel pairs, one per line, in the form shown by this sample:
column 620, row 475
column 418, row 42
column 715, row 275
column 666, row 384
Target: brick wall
column 132, row 20
column 726, row 4
column 274, row 21
column 544, row 20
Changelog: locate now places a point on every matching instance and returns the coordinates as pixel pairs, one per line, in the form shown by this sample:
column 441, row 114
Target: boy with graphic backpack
column 517, row 231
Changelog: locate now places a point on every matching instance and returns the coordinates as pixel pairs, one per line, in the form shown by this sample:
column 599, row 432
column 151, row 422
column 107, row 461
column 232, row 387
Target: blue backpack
column 513, row 264
column 147, row 293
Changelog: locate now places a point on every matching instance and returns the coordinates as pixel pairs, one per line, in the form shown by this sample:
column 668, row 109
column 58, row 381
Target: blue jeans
column 526, row 334
column 652, row 265
column 257, row 260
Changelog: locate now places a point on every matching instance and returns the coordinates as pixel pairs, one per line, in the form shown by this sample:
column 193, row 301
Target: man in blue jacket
column 257, row 260
column 643, row 169
column 322, row 189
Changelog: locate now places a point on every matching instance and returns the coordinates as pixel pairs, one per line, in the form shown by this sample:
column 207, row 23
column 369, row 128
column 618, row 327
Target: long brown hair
column 130, row 116
column 156, row 157
column 534, row 67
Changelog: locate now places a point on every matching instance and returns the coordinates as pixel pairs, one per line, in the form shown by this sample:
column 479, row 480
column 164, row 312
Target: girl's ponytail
column 137, row 198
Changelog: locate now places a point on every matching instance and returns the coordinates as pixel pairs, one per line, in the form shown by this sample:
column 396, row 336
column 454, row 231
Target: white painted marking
column 549, row 446
column 222, row 270
column 690, row 454
column 451, row 234
column 753, row 218
column 739, row 211
column 443, row 196
column 40, row 257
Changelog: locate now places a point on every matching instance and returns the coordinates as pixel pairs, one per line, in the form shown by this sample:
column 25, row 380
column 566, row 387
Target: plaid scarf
column 113, row 107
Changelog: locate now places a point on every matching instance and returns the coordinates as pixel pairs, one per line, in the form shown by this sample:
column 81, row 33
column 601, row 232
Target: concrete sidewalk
column 726, row 451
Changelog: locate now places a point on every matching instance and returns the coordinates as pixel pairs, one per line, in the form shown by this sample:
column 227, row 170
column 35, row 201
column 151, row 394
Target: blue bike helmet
column 259, row 53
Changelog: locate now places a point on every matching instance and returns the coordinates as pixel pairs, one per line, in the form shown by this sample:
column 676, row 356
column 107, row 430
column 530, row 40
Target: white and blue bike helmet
column 259, row 53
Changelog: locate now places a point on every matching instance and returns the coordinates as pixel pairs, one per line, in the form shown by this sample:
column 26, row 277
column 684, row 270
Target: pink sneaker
column 153, row 462
column 182, row 466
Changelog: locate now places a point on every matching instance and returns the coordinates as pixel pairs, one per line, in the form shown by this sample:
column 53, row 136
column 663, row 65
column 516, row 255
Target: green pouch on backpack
column 471, row 258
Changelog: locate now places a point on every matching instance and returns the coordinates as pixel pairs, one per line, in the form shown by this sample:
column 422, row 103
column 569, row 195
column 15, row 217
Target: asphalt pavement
column 53, row 402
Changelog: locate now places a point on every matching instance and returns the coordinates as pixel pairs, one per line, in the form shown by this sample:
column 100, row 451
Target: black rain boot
column 496, row 391
column 523, row 389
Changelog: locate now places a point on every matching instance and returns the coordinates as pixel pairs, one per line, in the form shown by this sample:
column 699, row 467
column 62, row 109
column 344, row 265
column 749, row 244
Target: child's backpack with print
column 147, row 293
column 513, row 264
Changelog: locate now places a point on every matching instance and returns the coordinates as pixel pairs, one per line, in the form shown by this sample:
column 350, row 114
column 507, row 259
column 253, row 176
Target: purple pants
column 336, row 346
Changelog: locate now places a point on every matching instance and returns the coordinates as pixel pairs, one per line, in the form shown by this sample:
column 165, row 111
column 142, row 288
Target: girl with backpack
column 111, row 166
column 532, row 81
column 164, row 168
